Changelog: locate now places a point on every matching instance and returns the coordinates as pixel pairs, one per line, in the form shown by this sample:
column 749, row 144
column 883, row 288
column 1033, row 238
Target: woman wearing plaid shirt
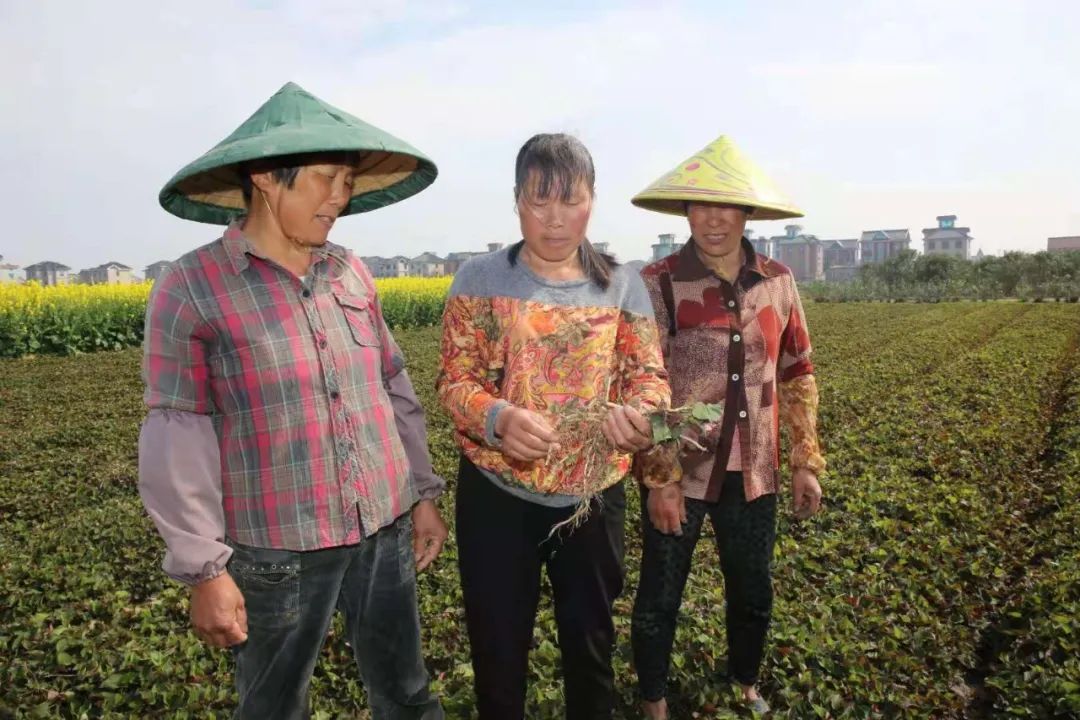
column 284, row 457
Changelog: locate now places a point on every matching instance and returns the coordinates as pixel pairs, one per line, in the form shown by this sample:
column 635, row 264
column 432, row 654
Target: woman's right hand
column 218, row 613
column 526, row 436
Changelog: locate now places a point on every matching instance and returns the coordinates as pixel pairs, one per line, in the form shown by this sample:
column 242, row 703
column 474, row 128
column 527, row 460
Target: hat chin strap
column 305, row 248
column 296, row 243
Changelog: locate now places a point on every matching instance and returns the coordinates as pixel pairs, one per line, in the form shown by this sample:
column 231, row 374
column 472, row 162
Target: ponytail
column 597, row 265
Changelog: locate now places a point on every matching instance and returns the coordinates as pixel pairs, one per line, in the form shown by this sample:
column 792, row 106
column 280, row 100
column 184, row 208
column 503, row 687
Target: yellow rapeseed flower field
column 67, row 319
column 33, row 297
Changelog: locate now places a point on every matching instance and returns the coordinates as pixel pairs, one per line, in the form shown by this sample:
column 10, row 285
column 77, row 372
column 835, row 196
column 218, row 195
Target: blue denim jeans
column 291, row 598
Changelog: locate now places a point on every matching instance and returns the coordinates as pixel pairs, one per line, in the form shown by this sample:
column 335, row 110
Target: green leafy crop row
column 942, row 579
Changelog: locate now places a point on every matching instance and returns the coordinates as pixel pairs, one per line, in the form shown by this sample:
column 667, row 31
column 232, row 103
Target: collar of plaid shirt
column 238, row 246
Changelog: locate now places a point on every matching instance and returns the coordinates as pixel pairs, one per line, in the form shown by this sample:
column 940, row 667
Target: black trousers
column 745, row 536
column 502, row 545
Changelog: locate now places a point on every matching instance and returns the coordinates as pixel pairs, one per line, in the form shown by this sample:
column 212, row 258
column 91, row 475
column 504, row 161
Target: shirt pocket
column 357, row 311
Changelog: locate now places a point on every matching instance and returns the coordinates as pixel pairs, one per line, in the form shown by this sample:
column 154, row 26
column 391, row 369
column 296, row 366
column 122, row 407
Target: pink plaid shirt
column 320, row 436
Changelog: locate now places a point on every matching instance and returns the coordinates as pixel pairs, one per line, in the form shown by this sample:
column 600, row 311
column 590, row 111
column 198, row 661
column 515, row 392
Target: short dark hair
column 559, row 162
column 284, row 168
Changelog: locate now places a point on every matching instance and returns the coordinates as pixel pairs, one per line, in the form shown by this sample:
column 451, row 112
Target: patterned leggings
column 745, row 535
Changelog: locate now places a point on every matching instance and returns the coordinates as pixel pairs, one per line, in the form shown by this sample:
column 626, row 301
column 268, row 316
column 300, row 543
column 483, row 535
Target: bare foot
column 655, row 710
column 749, row 693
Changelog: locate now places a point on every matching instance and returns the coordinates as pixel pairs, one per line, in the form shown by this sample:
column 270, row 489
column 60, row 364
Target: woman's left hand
column 627, row 429
column 805, row 494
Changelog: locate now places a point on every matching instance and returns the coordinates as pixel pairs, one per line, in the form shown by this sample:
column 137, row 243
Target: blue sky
column 868, row 114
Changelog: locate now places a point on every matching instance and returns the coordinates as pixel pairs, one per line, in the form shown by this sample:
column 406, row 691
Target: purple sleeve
column 180, row 486
column 409, row 418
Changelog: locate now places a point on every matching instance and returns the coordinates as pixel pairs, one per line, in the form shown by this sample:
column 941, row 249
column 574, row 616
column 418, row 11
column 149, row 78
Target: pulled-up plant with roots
column 675, row 431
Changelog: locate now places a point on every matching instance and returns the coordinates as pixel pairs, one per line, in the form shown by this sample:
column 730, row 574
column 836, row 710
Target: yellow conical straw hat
column 718, row 173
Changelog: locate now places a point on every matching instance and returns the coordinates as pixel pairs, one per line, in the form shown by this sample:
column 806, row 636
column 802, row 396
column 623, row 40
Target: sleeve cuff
column 430, row 486
column 191, row 572
column 489, row 425
column 432, row 493
column 803, row 456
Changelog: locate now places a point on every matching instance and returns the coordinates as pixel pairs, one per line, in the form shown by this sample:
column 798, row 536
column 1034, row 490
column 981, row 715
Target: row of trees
column 910, row 276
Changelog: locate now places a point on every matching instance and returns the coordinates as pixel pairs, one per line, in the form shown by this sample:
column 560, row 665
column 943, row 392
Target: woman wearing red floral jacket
column 733, row 332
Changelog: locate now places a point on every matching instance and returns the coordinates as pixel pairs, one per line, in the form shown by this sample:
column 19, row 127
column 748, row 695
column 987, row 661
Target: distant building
column 10, row 273
column 49, row 273
column 666, row 246
column 1066, row 243
column 841, row 253
column 455, row 260
column 841, row 259
column 802, row 253
column 876, row 246
column 423, row 265
column 427, row 265
column 153, row 270
column 110, row 273
column 947, row 239
column 761, row 244
column 380, row 267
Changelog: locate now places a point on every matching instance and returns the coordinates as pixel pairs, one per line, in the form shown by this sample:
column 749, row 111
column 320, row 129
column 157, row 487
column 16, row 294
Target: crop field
column 941, row 580
column 71, row 319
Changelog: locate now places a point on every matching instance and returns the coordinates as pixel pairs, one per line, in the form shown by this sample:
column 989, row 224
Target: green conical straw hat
column 295, row 121
column 718, row 173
